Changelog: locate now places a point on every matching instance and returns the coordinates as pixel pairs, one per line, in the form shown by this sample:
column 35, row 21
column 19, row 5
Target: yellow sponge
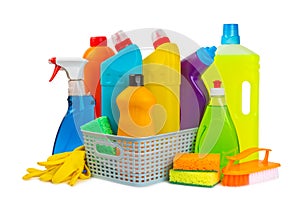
column 195, row 169
column 197, row 178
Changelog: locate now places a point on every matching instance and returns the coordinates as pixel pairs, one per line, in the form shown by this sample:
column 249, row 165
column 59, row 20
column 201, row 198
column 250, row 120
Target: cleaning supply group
column 124, row 95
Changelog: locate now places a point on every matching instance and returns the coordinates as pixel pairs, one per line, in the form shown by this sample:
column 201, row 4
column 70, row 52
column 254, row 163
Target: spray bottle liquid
column 95, row 54
column 217, row 133
column 114, row 75
column 162, row 75
column 135, row 104
column 194, row 96
column 239, row 68
column 81, row 105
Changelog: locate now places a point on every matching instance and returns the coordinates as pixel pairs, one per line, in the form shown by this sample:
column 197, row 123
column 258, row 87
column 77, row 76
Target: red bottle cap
column 217, row 84
column 98, row 41
column 159, row 37
column 120, row 40
column 217, row 90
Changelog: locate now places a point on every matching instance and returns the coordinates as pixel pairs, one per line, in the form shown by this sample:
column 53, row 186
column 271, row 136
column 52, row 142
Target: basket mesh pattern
column 138, row 161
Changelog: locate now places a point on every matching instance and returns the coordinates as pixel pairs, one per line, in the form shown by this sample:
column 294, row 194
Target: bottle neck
column 76, row 88
column 217, row 101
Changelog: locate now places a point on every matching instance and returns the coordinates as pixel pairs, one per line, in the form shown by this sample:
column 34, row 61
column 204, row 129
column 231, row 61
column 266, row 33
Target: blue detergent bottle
column 80, row 105
column 114, row 75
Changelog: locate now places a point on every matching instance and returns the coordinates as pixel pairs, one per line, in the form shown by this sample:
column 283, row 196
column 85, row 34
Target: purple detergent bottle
column 194, row 96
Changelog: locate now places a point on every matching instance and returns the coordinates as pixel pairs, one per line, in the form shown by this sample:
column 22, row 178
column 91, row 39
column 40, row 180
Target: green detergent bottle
column 217, row 133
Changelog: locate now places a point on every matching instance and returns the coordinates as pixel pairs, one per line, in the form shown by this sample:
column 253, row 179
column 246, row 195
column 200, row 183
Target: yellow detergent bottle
column 162, row 76
column 239, row 69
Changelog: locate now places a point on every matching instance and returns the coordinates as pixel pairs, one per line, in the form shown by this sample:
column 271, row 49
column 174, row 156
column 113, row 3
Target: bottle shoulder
column 234, row 49
column 131, row 54
column 139, row 95
column 98, row 53
column 166, row 48
column 165, row 59
column 170, row 47
column 217, row 115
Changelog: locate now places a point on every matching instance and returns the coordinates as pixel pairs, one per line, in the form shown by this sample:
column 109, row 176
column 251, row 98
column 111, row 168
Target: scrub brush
column 250, row 172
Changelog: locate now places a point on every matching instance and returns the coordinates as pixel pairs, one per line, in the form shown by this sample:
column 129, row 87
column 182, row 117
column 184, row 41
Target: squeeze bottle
column 239, row 68
column 95, row 54
column 194, row 96
column 162, row 73
column 114, row 75
column 135, row 104
column 217, row 133
column 80, row 105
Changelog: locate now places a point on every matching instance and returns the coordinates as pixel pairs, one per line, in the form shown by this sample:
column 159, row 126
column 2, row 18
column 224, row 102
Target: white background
column 32, row 108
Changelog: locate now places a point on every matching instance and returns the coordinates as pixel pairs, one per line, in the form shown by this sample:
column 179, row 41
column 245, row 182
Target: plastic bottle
column 217, row 133
column 135, row 104
column 162, row 75
column 114, row 75
column 194, row 96
column 239, row 68
column 80, row 105
column 95, row 54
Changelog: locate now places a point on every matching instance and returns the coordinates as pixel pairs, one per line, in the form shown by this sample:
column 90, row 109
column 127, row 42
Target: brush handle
column 247, row 153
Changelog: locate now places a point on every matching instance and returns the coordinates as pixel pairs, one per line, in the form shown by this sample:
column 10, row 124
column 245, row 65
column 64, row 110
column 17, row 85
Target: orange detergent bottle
column 95, row 54
column 135, row 104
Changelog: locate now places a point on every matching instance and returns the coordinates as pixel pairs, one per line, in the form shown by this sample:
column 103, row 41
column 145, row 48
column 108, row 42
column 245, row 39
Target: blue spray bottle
column 80, row 105
column 115, row 75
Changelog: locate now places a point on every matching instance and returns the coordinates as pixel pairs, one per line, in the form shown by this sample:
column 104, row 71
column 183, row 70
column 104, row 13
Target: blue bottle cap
column 206, row 55
column 211, row 51
column 230, row 34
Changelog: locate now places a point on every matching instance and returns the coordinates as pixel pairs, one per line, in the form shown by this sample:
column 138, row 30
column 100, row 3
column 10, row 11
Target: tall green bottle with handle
column 239, row 68
column 217, row 133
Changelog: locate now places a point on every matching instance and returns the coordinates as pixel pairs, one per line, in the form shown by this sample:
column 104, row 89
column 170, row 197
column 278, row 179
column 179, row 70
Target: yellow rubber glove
column 73, row 168
column 62, row 167
column 45, row 175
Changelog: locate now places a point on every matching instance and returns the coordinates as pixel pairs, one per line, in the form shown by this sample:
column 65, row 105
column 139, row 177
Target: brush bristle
column 263, row 176
column 248, row 179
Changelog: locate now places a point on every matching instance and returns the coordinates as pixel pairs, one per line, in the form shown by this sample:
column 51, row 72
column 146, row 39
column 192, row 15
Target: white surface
column 32, row 108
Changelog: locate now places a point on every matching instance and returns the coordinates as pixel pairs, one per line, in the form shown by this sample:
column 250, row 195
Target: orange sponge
column 195, row 161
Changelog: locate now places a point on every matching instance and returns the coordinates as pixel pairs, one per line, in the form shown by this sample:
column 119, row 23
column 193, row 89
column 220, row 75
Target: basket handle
column 245, row 154
column 111, row 144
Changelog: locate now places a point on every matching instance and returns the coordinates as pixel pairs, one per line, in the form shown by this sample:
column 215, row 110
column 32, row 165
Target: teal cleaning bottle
column 114, row 75
column 80, row 105
column 217, row 133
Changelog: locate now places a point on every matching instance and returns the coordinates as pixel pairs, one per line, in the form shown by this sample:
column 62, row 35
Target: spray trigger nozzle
column 74, row 67
column 56, row 69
